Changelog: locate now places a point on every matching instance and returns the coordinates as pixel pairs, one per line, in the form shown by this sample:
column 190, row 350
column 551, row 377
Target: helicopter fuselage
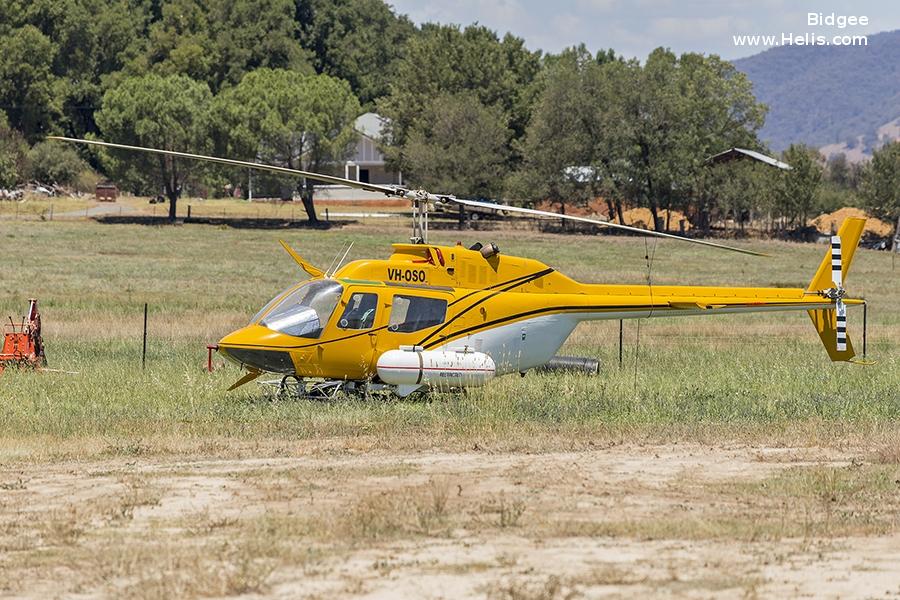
column 516, row 310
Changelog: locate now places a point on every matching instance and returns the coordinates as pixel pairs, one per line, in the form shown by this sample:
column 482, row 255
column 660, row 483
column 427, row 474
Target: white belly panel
column 520, row 345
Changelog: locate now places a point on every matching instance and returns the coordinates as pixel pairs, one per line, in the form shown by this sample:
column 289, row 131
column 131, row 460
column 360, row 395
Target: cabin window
column 305, row 311
column 360, row 312
column 414, row 313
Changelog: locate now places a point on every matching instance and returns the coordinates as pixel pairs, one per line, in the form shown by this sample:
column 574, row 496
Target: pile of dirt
column 828, row 224
column 595, row 208
column 636, row 217
column 642, row 217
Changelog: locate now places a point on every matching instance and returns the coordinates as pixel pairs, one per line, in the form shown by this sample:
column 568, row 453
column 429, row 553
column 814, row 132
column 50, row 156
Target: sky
column 635, row 28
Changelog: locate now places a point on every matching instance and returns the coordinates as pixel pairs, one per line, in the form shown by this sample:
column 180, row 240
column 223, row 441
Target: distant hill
column 837, row 98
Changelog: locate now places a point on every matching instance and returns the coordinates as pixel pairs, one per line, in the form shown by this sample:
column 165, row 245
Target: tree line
column 468, row 112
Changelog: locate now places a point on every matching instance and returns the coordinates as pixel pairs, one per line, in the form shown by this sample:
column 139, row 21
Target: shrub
column 52, row 162
column 13, row 151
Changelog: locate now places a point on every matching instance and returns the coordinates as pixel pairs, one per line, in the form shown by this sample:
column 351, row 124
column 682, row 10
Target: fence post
column 621, row 339
column 144, row 351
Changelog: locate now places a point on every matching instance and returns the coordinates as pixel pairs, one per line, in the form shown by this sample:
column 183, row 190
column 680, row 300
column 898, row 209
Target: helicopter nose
column 258, row 347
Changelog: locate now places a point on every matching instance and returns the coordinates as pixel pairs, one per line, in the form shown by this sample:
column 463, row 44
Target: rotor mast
column 420, row 221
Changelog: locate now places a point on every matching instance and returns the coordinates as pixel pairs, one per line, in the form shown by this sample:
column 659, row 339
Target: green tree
column 443, row 59
column 797, row 192
column 182, row 42
column 459, row 146
column 736, row 189
column 52, row 162
column 89, row 39
column 683, row 110
column 644, row 131
column 355, row 40
column 170, row 113
column 13, row 151
column 27, row 82
column 253, row 34
column 838, row 170
column 218, row 41
column 880, row 186
column 288, row 118
column 577, row 121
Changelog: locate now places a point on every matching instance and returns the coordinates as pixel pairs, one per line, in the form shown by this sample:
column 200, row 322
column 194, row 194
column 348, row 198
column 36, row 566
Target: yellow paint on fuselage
column 485, row 293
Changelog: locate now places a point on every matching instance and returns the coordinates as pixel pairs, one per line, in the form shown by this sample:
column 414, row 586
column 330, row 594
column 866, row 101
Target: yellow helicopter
column 433, row 316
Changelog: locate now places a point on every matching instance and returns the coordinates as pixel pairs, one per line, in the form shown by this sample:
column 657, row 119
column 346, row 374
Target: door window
column 360, row 311
column 414, row 313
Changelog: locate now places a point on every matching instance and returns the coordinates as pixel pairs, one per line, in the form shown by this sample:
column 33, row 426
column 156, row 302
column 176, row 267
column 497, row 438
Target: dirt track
column 675, row 521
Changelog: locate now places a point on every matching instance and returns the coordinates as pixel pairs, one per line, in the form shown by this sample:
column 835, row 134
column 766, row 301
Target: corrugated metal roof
column 740, row 153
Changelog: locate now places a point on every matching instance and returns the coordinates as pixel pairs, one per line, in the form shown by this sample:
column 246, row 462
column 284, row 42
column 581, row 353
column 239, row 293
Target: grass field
column 231, row 493
column 683, row 377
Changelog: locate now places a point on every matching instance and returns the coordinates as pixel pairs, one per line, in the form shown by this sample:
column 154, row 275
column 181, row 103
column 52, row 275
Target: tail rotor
column 828, row 282
column 838, row 293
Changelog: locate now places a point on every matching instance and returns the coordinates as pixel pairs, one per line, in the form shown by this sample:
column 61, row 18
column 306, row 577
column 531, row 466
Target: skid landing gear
column 291, row 387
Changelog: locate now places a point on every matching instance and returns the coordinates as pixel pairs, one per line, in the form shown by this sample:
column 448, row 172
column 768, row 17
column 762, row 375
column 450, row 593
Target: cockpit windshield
column 304, row 311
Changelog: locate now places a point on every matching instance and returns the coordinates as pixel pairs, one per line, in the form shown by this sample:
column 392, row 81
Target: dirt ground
column 620, row 521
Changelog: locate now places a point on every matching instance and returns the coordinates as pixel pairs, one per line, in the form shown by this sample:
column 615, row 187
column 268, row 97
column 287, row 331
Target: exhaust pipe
column 571, row 364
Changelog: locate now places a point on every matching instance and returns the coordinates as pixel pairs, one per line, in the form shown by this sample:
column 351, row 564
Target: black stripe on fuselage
column 515, row 283
column 582, row 308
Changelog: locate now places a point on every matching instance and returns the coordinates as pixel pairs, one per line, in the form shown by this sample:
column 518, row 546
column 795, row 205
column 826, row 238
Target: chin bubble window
column 414, row 313
column 360, row 312
column 306, row 310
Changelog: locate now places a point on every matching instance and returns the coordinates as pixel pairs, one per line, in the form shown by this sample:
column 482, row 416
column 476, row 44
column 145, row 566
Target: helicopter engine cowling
column 411, row 365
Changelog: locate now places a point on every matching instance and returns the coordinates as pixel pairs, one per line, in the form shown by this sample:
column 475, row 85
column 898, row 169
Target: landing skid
column 291, row 387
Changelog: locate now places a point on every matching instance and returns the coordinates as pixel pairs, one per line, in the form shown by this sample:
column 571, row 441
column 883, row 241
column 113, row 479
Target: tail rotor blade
column 836, row 275
column 841, row 325
column 838, row 279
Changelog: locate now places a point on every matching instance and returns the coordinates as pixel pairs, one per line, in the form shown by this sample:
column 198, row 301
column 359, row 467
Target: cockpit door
column 357, row 322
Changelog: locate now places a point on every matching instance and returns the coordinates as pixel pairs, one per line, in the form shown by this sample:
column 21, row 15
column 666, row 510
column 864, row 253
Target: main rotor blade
column 369, row 187
column 551, row 215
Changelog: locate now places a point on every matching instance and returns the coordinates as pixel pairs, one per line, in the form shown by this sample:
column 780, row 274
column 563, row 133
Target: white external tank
column 411, row 365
